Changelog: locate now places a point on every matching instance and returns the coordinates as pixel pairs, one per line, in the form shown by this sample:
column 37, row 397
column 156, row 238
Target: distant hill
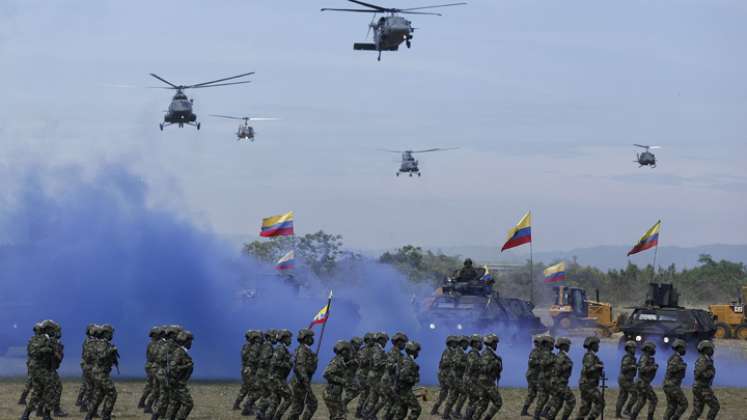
column 606, row 257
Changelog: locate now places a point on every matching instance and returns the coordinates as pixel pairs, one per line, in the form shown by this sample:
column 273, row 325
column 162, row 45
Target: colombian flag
column 287, row 261
column 323, row 314
column 649, row 239
column 280, row 225
column 520, row 234
column 555, row 273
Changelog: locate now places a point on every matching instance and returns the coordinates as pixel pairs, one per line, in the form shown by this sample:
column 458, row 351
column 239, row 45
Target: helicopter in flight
column 245, row 131
column 181, row 108
column 646, row 158
column 409, row 165
column 391, row 30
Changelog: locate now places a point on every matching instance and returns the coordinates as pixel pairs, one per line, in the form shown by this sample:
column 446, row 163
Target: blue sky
column 543, row 98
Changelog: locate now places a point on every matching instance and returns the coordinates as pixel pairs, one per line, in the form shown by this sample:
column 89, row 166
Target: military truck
column 661, row 319
column 729, row 317
column 573, row 312
column 473, row 306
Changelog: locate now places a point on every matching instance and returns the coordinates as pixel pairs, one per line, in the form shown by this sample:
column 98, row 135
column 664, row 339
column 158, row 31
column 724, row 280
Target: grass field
column 213, row 401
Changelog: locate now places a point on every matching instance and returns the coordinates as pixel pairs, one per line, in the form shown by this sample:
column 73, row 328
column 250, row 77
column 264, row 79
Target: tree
column 421, row 266
column 320, row 251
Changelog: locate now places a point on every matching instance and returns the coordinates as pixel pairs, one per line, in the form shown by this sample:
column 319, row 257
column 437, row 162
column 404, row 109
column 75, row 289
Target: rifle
column 604, row 386
column 116, row 359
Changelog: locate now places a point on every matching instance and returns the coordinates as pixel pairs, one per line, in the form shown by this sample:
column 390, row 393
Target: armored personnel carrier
column 662, row 320
column 473, row 306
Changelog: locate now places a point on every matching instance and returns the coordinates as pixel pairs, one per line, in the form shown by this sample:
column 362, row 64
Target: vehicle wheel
column 603, row 332
column 741, row 332
column 160, row 126
column 723, row 330
column 564, row 323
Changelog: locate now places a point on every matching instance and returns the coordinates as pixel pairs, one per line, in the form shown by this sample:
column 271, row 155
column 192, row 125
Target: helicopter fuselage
column 180, row 111
column 646, row 159
column 391, row 31
column 245, row 132
column 408, row 165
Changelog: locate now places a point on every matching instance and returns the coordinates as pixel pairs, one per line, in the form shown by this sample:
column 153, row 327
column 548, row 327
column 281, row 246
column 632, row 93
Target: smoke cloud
column 90, row 249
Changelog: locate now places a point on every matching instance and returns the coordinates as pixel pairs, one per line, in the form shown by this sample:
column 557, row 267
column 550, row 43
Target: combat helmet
column 705, row 344
column 589, row 341
column 452, row 339
column 303, row 334
column 154, row 332
column 37, row 328
column 382, row 337
column 369, row 337
column 548, row 340
column 463, row 339
column 679, row 344
column 184, row 335
column 356, row 342
column 89, row 329
column 491, row 339
column 537, row 340
column 283, row 335
column 475, row 338
column 48, row 326
column 412, row 347
column 630, row 345
column 563, row 341
column 399, row 336
column 340, row 346
column 649, row 347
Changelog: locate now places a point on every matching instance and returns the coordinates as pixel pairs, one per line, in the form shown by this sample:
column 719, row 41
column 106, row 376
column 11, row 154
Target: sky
column 544, row 100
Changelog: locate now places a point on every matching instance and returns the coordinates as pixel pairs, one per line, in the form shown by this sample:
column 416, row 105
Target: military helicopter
column 392, row 30
column 245, row 131
column 646, row 158
column 180, row 110
column 409, row 165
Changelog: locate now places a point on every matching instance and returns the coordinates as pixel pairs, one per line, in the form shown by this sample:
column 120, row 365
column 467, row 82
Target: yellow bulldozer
column 572, row 311
column 729, row 317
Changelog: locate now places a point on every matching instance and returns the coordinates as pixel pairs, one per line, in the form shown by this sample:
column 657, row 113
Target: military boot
column 525, row 411
column 154, row 416
column 141, row 403
column 26, row 414
column 237, row 404
column 650, row 416
column 59, row 412
column 46, row 415
column 22, row 399
column 434, row 410
column 148, row 409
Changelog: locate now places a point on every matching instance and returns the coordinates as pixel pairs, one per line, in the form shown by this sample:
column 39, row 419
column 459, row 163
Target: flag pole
column 531, row 274
column 321, row 334
column 656, row 252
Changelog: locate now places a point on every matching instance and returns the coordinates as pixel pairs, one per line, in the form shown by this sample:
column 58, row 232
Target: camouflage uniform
column 365, row 356
column 263, row 372
column 165, row 352
column 276, row 403
column 40, row 352
column 389, row 399
column 249, row 356
column 180, row 370
column 626, row 381
column 545, row 376
column 457, row 394
column 676, row 368
column 702, row 392
column 105, row 355
column 491, row 367
column 409, row 376
column 354, row 387
column 444, row 372
column 472, row 375
column 647, row 368
column 375, row 374
column 150, row 390
column 561, row 392
column 59, row 355
column 303, row 370
column 336, row 375
column 533, row 371
column 592, row 403
column 27, row 386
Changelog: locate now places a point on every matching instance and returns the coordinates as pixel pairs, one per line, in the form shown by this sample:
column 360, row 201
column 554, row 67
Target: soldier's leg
column 350, row 393
column 311, row 406
column 365, row 390
column 410, row 401
column 255, row 393
column 443, row 393
column 451, row 401
column 57, row 387
column 698, row 404
column 569, row 401
column 185, row 402
column 333, row 400
column 110, row 398
column 585, row 407
column 632, row 400
column 542, row 399
column 653, row 400
column 26, row 390
column 461, row 401
column 671, row 402
column 622, row 398
column 597, row 404
column 682, row 404
column 641, row 401
column 531, row 395
column 298, row 394
column 154, row 394
column 472, row 402
column 496, row 402
column 244, row 390
column 554, row 405
column 285, row 394
column 147, row 389
column 709, row 398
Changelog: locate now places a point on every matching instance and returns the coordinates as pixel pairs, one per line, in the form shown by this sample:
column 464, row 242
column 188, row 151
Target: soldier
column 249, row 355
column 533, row 370
column 364, row 367
column 472, row 375
column 647, row 368
column 457, row 394
column 467, row 273
column 490, row 374
column 336, row 376
column 592, row 403
column 544, row 378
column 702, row 391
column 150, row 365
column 105, row 355
column 263, row 372
column 444, row 370
column 354, row 388
column 59, row 355
column 389, row 401
column 626, row 381
column 40, row 352
column 376, row 372
column 180, row 370
column 158, row 379
column 165, row 352
column 278, row 400
column 27, row 386
column 676, row 368
column 303, row 371
column 409, row 376
column 561, row 392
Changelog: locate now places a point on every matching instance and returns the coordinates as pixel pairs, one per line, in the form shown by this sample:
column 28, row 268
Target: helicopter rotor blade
column 218, row 84
column 373, row 6
column 226, row 116
column 433, row 7
column 391, row 151
column 220, row 80
column 263, row 118
column 173, row 86
column 421, row 13
column 328, row 9
column 641, row 145
column 435, row 149
column 654, row 147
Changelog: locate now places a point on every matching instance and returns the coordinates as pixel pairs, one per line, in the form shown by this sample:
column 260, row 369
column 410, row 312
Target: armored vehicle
column 662, row 320
column 473, row 306
column 729, row 317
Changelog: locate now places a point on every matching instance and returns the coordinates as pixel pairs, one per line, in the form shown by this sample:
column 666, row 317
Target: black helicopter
column 180, row 110
column 392, row 30
column 646, row 158
column 409, row 165
column 245, row 131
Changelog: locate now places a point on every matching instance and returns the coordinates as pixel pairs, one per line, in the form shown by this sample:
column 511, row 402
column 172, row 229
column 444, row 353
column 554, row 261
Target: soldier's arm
column 334, row 373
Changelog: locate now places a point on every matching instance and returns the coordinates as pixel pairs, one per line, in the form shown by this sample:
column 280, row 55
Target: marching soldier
column 378, row 367
column 562, row 394
column 472, row 375
column 181, row 367
column 647, row 368
column 364, row 367
column 261, row 389
column 676, row 368
column 151, row 387
column 354, row 387
column 544, row 378
column 409, row 376
column 40, row 350
column 626, row 381
column 533, row 370
column 335, row 374
column 491, row 367
column 27, row 387
column 303, row 371
column 278, row 400
column 457, row 394
column 444, row 370
column 165, row 352
column 389, row 401
column 702, row 392
column 592, row 403
column 105, row 355
column 249, row 356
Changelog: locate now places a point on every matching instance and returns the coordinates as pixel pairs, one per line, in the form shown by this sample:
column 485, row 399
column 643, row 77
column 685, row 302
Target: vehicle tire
column 564, row 323
column 723, row 330
column 741, row 332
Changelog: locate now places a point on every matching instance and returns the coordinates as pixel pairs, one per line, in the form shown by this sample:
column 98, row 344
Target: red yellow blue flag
column 649, row 239
column 555, row 273
column 280, row 225
column 323, row 315
column 287, row 261
column 520, row 234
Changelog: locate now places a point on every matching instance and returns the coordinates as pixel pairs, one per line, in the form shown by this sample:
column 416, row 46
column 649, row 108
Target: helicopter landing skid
column 181, row 124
